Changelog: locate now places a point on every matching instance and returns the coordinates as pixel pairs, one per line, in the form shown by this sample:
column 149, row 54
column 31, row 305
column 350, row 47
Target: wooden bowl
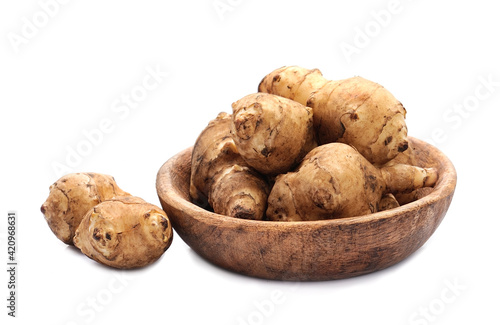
column 307, row 250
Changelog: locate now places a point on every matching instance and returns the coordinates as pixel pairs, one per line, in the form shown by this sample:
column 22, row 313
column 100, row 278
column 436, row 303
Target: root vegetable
column 272, row 133
column 387, row 202
column 335, row 181
column 124, row 232
column 72, row 196
column 222, row 178
column 409, row 157
column 355, row 111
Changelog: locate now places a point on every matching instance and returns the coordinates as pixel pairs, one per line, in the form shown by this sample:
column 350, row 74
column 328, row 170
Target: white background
column 67, row 67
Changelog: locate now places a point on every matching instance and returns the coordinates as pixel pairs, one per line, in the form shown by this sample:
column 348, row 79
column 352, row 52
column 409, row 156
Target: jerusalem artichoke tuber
column 409, row 157
column 387, row 202
column 222, row 178
column 72, row 196
column 355, row 111
column 335, row 181
column 124, row 232
column 272, row 133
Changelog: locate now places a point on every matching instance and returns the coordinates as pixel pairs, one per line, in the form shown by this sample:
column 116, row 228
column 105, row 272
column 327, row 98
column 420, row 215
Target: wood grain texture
column 307, row 250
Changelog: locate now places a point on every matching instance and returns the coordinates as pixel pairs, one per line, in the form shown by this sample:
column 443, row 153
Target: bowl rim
column 444, row 187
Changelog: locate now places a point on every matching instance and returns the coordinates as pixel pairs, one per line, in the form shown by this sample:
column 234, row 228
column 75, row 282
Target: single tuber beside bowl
column 307, row 250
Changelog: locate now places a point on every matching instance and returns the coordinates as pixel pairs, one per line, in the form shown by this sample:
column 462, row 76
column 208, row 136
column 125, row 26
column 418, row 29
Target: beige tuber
column 107, row 224
column 272, row 133
column 335, row 181
column 72, row 196
column 355, row 111
column 124, row 232
column 222, row 178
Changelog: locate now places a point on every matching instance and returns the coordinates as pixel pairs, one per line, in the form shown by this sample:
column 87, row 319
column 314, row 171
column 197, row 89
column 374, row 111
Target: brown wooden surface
column 308, row 250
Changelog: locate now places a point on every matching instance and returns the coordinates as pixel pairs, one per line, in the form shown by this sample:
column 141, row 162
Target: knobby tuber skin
column 355, row 111
column 124, row 232
column 272, row 133
column 387, row 202
column 335, row 181
column 72, row 196
column 409, row 157
column 222, row 178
